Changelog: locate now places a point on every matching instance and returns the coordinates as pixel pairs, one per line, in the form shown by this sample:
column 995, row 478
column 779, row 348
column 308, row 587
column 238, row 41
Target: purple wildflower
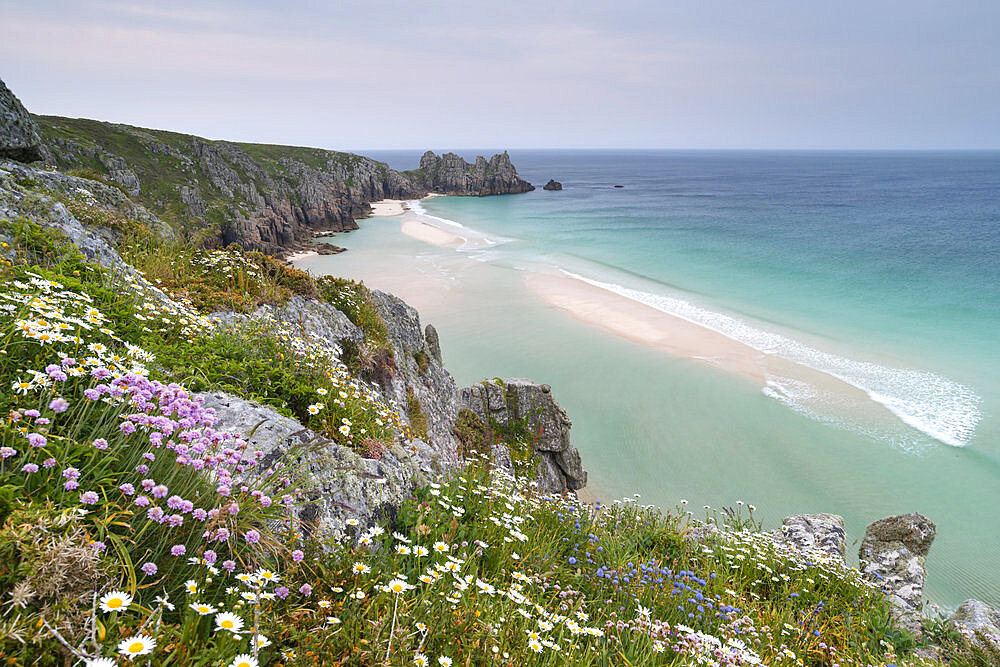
column 177, row 550
column 88, row 498
column 149, row 569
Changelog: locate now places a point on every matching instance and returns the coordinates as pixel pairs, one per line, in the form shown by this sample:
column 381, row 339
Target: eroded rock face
column 19, row 138
column 515, row 399
column 341, row 484
column 975, row 616
column 450, row 174
column 822, row 533
column 893, row 553
column 419, row 370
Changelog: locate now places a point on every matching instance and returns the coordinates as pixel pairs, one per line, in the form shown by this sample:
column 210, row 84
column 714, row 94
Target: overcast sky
column 575, row 73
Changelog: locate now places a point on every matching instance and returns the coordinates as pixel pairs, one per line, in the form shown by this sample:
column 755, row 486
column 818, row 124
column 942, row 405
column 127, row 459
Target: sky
column 377, row 74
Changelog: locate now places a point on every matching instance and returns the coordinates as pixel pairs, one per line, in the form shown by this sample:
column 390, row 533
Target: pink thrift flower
column 177, row 550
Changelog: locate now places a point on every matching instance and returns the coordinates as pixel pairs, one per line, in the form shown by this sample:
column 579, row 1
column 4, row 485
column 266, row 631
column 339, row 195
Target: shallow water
column 882, row 270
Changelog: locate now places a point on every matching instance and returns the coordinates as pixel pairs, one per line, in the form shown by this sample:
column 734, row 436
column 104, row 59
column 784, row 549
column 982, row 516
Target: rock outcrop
column 341, row 484
column 552, row 185
column 515, row 402
column 451, row 175
column 420, row 376
column 893, row 553
column 19, row 138
column 974, row 616
column 822, row 533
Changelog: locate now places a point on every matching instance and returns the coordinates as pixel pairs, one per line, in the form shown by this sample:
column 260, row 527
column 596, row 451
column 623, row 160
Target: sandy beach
column 679, row 337
column 388, row 207
column 301, row 254
column 430, row 234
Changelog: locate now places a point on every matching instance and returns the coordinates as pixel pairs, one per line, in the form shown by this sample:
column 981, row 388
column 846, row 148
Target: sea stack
column 552, row 185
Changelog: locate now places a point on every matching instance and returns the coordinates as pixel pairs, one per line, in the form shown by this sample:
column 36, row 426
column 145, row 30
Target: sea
column 880, row 270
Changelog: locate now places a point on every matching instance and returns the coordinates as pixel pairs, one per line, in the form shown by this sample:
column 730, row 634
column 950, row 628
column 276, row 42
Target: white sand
column 431, row 234
column 302, row 254
column 674, row 335
column 388, row 207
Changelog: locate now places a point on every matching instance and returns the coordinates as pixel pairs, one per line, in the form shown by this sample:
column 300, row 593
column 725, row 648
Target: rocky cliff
column 451, row 175
column 261, row 197
column 19, row 138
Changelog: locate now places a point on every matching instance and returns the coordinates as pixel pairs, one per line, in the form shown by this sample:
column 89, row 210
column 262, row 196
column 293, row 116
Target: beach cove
column 677, row 408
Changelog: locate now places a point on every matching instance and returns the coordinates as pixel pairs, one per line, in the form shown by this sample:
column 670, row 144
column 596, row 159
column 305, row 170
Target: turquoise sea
column 881, row 270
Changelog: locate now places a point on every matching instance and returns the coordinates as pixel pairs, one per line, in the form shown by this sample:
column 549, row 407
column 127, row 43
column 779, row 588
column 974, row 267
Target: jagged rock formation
column 451, row 175
column 420, row 374
column 513, row 402
column 341, row 484
column 893, row 552
column 268, row 198
column 552, row 185
column 814, row 532
column 19, row 138
column 975, row 616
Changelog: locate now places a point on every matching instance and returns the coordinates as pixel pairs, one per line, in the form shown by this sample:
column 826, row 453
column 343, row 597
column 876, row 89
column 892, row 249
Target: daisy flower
column 115, row 601
column 203, row 609
column 228, row 621
column 137, row 645
column 361, row 568
column 244, row 660
column 100, row 662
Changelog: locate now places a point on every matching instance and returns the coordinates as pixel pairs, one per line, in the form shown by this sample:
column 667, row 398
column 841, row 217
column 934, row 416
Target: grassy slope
column 161, row 173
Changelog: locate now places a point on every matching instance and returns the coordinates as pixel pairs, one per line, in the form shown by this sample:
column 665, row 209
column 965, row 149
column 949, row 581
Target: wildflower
column 191, row 586
column 444, row 661
column 535, row 645
column 115, row 601
column 202, row 608
column 137, row 645
column 88, row 498
column 59, row 405
column 36, row 440
column 28, row 467
column 177, row 550
column 332, row 620
column 252, row 536
column 228, row 621
column 420, row 660
column 440, row 547
column 149, row 569
column 100, row 662
column 398, row 586
column 297, row 555
column 261, row 641
column 243, row 660
column 306, row 589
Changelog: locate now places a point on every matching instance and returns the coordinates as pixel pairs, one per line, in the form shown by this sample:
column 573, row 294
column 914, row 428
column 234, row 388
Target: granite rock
column 19, row 139
column 552, row 185
column 975, row 616
column 823, row 533
column 893, row 553
column 512, row 400
column 450, row 174
column 341, row 484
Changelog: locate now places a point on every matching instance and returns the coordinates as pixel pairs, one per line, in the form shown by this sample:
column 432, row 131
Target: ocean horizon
column 806, row 331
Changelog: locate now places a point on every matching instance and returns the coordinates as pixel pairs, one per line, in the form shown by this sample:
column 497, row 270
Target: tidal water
column 881, row 270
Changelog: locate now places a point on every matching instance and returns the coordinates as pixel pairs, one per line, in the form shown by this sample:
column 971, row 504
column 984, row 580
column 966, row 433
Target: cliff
column 262, row 197
column 19, row 138
column 259, row 196
column 449, row 174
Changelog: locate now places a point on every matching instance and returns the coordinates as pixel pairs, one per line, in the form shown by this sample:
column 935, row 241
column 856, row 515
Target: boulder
column 552, row 185
column 325, row 248
column 19, row 139
column 502, row 403
column 822, row 533
column 975, row 616
column 341, row 484
column 893, row 553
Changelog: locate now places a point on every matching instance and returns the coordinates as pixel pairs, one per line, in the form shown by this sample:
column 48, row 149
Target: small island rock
column 552, row 185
